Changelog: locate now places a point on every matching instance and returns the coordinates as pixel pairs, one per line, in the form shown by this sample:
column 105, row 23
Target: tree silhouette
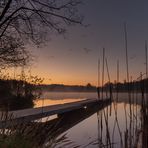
column 32, row 20
column 12, row 52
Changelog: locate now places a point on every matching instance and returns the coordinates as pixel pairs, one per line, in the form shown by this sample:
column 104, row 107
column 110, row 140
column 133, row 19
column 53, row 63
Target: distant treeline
column 23, row 88
column 139, row 86
column 16, row 94
column 69, row 88
column 134, row 86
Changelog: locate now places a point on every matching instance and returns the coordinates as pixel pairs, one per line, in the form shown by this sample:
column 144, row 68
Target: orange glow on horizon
column 56, row 76
column 65, row 79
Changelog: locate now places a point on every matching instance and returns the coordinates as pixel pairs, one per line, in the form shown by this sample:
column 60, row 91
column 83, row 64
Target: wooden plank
column 27, row 115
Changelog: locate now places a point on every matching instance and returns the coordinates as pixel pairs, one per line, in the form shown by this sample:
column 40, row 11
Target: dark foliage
column 139, row 86
column 16, row 95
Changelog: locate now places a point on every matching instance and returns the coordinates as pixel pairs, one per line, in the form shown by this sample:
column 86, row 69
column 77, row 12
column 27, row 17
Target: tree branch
column 5, row 9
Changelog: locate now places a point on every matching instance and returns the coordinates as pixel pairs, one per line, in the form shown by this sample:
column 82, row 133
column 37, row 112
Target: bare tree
column 32, row 20
column 12, row 52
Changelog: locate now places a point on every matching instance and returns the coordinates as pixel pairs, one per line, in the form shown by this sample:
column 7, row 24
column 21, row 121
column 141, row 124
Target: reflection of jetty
column 66, row 121
column 27, row 115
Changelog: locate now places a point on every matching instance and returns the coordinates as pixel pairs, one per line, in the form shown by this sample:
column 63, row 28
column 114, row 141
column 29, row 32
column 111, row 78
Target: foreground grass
column 15, row 141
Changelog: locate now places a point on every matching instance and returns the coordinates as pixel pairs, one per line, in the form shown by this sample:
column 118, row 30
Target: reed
column 146, row 71
column 103, row 61
column 98, row 88
column 117, row 89
column 110, row 85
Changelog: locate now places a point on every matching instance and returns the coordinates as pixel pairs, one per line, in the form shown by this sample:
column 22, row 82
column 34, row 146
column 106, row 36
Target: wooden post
column 98, row 88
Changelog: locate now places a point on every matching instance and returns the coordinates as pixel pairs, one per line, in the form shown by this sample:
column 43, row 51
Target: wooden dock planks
column 27, row 115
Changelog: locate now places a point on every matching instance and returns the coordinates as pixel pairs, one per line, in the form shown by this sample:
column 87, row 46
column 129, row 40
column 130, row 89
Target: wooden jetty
column 64, row 122
column 27, row 115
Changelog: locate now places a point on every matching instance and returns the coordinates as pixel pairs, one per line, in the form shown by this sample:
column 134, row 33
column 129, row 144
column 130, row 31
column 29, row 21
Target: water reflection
column 48, row 102
column 52, row 98
column 67, row 95
column 107, row 128
column 118, row 125
column 64, row 122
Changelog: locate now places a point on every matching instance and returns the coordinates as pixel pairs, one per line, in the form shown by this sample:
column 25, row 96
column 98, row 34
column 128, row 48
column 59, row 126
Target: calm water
column 89, row 133
column 114, row 124
column 51, row 98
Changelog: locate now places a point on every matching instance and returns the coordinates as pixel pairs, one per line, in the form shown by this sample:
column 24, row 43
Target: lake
column 116, row 125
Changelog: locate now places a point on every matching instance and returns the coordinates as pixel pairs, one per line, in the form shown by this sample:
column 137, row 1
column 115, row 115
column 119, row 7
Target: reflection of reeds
column 100, row 129
column 117, row 123
column 108, row 139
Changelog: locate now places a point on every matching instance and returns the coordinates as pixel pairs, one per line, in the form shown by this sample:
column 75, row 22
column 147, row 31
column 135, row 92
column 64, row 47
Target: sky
column 73, row 58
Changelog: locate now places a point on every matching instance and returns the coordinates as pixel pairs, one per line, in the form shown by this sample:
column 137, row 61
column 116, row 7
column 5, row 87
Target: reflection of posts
column 145, row 128
column 110, row 89
column 98, row 92
column 42, row 105
column 67, row 120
